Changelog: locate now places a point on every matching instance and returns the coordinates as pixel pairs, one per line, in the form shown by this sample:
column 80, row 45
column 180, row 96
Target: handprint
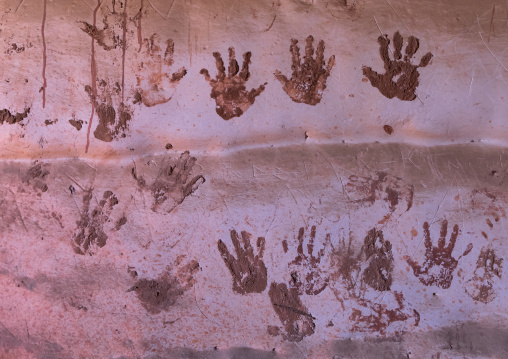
column 229, row 91
column 375, row 317
column 306, row 275
column 401, row 76
column 298, row 322
column 308, row 80
column 173, row 183
column 248, row 271
column 488, row 266
column 90, row 234
column 160, row 294
column 440, row 256
column 377, row 253
column 155, row 85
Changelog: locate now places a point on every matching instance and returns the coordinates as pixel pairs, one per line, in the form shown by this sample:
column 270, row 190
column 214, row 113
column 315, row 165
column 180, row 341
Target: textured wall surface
column 253, row 179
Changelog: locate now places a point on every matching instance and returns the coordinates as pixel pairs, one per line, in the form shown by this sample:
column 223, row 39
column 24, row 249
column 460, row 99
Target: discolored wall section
column 269, row 179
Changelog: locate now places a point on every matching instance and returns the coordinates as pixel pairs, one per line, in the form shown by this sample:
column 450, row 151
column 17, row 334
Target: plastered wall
column 268, row 179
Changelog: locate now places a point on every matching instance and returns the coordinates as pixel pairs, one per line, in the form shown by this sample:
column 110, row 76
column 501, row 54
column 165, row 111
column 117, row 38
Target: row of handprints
column 358, row 277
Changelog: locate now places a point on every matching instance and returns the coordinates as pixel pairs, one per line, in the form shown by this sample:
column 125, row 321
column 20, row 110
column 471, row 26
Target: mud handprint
column 229, row 92
column 90, row 234
column 248, row 270
column 401, row 76
column 375, row 317
column 308, row 80
column 377, row 253
column 155, row 85
column 488, row 267
column 173, row 183
column 439, row 257
column 306, row 276
column 297, row 321
column 160, row 294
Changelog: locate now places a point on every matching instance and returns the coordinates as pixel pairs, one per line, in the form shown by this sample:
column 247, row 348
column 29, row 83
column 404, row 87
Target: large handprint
column 439, row 257
column 403, row 87
column 155, row 85
column 306, row 276
column 308, row 80
column 229, row 91
column 248, row 271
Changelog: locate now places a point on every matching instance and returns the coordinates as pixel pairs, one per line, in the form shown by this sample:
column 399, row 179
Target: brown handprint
column 297, row 321
column 229, row 91
column 90, row 234
column 173, row 183
column 306, row 275
column 375, row 317
column 248, row 271
column 155, row 86
column 440, row 257
column 405, row 73
column 308, row 80
column 378, row 253
column 488, row 266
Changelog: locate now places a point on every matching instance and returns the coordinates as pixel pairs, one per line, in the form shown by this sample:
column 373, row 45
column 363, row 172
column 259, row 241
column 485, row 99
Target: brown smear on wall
column 7, row 117
column 378, row 253
column 160, row 294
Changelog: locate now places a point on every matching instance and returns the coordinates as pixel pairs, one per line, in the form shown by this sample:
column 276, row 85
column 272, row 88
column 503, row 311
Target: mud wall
column 268, row 179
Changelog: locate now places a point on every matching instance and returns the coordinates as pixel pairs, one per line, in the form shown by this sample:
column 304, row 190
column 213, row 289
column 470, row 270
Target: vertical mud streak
column 44, row 83
column 124, row 45
column 140, row 38
column 93, row 73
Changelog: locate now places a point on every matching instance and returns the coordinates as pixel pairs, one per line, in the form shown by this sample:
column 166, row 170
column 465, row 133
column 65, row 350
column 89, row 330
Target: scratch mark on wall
column 491, row 30
column 44, row 83
column 158, row 12
column 485, row 44
column 21, row 2
column 93, row 73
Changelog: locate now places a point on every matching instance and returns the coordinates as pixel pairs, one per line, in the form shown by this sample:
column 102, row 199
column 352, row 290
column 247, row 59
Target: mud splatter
column 381, row 186
column 374, row 317
column 78, row 124
column 229, row 92
column 248, row 270
column 173, row 183
column 406, row 74
column 294, row 316
column 439, row 264
column 157, row 295
column 388, row 129
column 306, row 275
column 90, row 234
column 7, row 117
column 489, row 269
column 36, row 176
column 155, row 85
column 377, row 252
column 17, row 49
column 308, row 80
